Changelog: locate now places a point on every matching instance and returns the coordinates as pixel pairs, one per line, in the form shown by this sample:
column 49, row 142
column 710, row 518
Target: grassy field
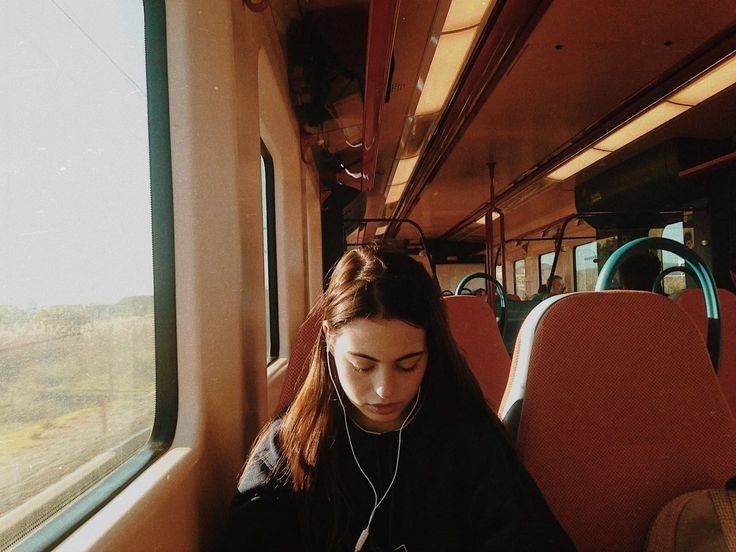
column 74, row 382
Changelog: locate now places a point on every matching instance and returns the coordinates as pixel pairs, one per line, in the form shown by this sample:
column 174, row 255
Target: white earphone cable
column 376, row 503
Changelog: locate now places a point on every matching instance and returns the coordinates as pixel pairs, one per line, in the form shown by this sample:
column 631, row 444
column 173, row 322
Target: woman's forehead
column 387, row 337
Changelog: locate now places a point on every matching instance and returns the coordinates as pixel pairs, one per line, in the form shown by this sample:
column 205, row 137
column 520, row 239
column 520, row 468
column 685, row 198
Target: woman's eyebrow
column 368, row 357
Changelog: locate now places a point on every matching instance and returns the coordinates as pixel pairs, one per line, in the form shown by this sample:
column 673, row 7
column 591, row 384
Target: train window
column 586, row 266
column 520, row 278
column 87, row 348
column 269, row 255
column 545, row 267
column 499, row 275
column 674, row 281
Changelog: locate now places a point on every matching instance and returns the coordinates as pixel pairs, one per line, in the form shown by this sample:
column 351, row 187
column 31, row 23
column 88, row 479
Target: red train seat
column 621, row 412
column 477, row 335
column 301, row 354
column 693, row 303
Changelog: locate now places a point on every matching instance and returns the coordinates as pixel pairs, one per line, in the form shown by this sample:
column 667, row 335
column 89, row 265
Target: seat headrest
column 476, row 333
column 621, row 412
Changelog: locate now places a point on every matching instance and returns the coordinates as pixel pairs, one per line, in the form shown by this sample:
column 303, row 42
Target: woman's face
column 380, row 365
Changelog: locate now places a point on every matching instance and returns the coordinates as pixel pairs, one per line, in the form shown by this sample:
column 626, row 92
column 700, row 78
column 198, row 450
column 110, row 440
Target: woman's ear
column 326, row 332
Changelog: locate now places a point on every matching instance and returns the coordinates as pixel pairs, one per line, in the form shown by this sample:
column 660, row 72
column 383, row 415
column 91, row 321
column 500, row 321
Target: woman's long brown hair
column 366, row 283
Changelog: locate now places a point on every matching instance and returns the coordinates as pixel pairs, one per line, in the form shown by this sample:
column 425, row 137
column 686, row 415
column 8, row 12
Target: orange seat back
column 692, row 301
column 622, row 411
column 476, row 333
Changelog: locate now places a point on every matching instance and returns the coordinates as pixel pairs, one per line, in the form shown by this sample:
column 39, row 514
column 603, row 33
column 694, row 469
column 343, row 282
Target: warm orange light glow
column 640, row 125
column 403, row 171
column 482, row 220
column 711, row 83
column 381, row 229
column 577, row 163
column 465, row 13
column 394, row 193
column 449, row 58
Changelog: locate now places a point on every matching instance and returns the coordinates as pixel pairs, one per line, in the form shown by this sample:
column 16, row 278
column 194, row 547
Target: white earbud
column 364, row 534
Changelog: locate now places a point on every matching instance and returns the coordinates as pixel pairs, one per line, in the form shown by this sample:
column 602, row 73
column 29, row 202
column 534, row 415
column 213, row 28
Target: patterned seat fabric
column 622, row 412
column 477, row 336
column 693, row 302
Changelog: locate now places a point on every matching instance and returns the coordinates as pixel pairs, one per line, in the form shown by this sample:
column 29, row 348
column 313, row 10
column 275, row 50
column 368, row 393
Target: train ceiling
column 544, row 76
column 582, row 61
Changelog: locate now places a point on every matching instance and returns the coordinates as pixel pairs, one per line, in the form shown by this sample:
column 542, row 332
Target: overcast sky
column 74, row 179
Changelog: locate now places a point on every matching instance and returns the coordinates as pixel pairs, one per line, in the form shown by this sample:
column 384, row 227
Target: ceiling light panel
column 394, row 193
column 578, row 163
column 465, row 13
column 711, row 83
column 403, row 171
column 449, row 59
column 639, row 126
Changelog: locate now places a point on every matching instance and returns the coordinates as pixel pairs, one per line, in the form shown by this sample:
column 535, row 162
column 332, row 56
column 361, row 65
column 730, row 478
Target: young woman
column 389, row 444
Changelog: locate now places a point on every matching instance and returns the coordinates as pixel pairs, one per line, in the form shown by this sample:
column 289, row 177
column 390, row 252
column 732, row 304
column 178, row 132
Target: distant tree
column 63, row 320
column 137, row 305
column 11, row 315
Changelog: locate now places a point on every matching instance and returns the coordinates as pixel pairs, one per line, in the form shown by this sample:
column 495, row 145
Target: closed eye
column 361, row 368
column 408, row 367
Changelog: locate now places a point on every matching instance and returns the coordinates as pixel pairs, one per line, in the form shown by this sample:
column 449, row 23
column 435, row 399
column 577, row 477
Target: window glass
column 545, row 267
column 586, row 266
column 499, row 275
column 674, row 281
column 77, row 348
column 269, row 255
column 520, row 278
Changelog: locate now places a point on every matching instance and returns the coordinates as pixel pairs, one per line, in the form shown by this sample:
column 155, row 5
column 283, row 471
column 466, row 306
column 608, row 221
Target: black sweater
column 459, row 487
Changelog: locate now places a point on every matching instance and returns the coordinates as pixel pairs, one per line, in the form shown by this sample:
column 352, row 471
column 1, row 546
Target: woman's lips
column 385, row 408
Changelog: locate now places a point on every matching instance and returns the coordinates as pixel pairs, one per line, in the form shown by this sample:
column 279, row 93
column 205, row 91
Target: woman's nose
column 384, row 384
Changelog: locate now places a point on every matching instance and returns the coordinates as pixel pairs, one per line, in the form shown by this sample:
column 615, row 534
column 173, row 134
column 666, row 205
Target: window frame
column 269, row 199
column 53, row 531
column 575, row 263
column 539, row 266
column 516, row 290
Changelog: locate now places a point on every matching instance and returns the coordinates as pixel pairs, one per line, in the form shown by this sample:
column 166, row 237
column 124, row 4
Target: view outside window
column 77, row 365
column 586, row 266
column 545, row 267
column 674, row 281
column 520, row 278
column 269, row 255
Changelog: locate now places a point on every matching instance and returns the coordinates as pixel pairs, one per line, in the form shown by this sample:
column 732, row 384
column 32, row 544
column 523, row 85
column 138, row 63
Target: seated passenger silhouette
column 541, row 293
column 556, row 288
column 638, row 272
column 558, row 285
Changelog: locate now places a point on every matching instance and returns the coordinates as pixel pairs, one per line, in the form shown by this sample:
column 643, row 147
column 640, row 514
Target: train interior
column 517, row 141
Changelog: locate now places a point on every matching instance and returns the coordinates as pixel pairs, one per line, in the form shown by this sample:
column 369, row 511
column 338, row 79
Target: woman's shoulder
column 265, row 458
column 262, row 515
